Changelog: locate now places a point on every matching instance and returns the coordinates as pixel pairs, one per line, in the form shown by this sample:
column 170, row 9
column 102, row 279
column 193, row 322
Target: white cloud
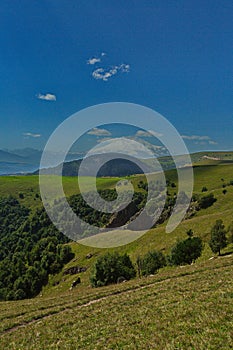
column 154, row 148
column 105, row 74
column 121, row 146
column 195, row 137
column 99, row 132
column 104, row 139
column 200, row 140
column 30, row 134
column 47, row 97
column 93, row 60
column 124, row 67
column 101, row 74
column 149, row 133
column 124, row 146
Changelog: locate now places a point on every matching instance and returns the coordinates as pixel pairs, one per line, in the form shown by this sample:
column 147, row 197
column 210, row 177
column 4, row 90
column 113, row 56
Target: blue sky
column 173, row 56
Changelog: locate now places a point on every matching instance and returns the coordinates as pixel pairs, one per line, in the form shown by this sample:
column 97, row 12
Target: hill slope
column 122, row 167
column 127, row 316
column 188, row 308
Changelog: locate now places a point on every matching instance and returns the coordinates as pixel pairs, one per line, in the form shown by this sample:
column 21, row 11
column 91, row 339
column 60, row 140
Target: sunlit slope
column 139, row 313
column 213, row 178
column 26, row 188
column 180, row 308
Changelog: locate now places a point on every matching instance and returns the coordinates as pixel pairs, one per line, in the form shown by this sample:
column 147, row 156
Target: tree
column 139, row 266
column 207, row 201
column 151, row 263
column 230, row 231
column 110, row 267
column 186, row 251
column 218, row 238
column 30, row 249
column 65, row 253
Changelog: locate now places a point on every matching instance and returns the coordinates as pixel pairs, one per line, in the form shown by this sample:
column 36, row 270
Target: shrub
column 65, row 253
column 151, row 263
column 204, row 189
column 19, row 294
column 186, row 251
column 195, row 197
column 218, row 238
column 110, row 267
column 207, row 201
column 190, row 233
column 230, row 231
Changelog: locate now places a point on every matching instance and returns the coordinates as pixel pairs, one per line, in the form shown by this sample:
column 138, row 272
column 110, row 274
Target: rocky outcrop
column 74, row 270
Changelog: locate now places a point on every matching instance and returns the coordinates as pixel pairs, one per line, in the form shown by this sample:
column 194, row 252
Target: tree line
column 113, row 267
column 31, row 248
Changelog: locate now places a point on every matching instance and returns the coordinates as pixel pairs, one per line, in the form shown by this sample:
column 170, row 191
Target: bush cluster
column 112, row 267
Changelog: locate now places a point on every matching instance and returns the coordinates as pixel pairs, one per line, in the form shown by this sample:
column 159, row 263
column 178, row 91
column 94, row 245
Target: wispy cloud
column 149, row 133
column 47, row 97
column 103, row 139
column 196, row 137
column 30, row 134
column 106, row 74
column 156, row 149
column 202, row 140
column 119, row 145
column 99, row 132
column 95, row 60
column 123, row 145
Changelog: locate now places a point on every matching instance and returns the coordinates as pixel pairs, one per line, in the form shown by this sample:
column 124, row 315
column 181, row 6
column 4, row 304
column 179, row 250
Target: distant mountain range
column 123, row 167
column 27, row 160
column 18, row 161
column 21, row 161
column 115, row 167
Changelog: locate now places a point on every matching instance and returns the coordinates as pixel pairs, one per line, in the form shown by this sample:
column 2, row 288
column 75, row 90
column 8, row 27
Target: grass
column 29, row 187
column 179, row 308
column 188, row 307
column 206, row 175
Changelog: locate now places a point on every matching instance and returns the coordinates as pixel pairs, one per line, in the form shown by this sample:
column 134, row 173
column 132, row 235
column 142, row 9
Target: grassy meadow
column 181, row 308
column 187, row 307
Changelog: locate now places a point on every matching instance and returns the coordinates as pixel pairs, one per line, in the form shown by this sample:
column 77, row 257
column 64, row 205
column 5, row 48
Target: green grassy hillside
column 187, row 307
column 29, row 186
column 157, row 238
column 180, row 308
